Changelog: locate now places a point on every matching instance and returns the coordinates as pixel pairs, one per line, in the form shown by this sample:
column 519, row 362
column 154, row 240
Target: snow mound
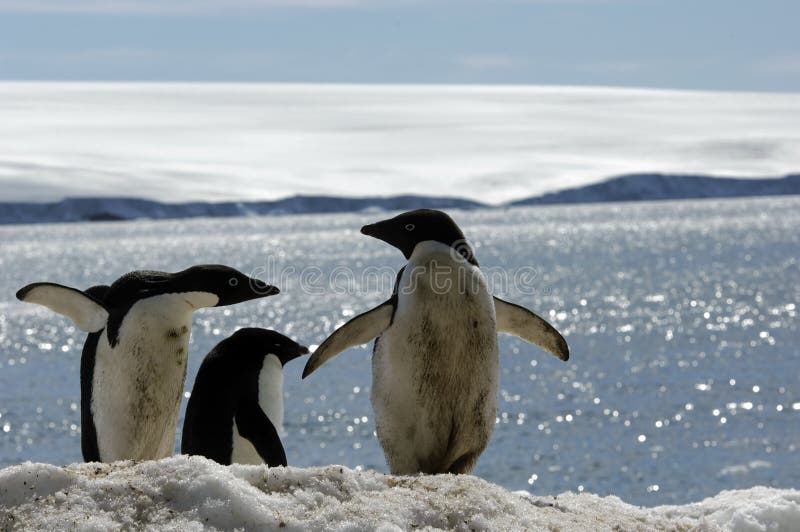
column 183, row 493
column 754, row 509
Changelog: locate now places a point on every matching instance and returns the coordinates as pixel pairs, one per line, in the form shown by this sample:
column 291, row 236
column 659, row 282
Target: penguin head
column 229, row 285
column 406, row 230
column 206, row 285
column 98, row 292
column 102, row 306
column 259, row 343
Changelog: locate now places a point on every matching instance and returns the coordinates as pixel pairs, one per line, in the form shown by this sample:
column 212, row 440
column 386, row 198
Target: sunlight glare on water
column 681, row 319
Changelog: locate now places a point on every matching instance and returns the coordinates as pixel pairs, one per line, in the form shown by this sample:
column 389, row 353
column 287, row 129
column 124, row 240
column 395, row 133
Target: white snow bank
column 248, row 141
column 183, row 493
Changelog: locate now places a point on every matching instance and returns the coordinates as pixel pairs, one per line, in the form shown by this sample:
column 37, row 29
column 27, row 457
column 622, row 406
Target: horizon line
column 390, row 84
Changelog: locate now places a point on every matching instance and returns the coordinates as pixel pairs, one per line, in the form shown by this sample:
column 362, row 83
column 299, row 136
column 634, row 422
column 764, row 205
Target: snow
column 217, row 142
column 192, row 493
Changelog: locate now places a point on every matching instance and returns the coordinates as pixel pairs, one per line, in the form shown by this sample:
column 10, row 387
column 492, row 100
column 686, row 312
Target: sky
column 736, row 45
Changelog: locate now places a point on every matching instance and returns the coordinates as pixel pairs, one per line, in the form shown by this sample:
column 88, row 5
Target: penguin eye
column 409, row 227
column 233, row 281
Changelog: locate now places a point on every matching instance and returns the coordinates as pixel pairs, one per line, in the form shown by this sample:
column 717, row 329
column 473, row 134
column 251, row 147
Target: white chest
column 436, row 366
column 270, row 390
column 444, row 321
column 243, row 452
column 137, row 384
column 270, row 399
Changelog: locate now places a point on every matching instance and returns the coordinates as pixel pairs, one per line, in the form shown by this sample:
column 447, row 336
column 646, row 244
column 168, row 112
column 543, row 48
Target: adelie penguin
column 134, row 359
column 235, row 412
column 435, row 359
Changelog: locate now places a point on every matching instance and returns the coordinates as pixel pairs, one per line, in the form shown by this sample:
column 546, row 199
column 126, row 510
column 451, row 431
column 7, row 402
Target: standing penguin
column 235, row 412
column 435, row 360
column 134, row 359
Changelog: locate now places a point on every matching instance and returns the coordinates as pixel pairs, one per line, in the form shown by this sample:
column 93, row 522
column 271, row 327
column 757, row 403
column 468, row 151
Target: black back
column 406, row 230
column 226, row 388
column 89, row 447
column 91, row 452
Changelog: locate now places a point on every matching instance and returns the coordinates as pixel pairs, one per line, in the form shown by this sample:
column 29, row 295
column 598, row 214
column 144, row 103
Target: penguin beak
column 389, row 232
column 381, row 231
column 263, row 289
column 247, row 290
column 301, row 350
column 369, row 230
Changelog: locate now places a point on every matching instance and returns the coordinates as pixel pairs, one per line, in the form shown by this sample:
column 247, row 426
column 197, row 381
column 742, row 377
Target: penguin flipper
column 86, row 312
column 357, row 331
column 254, row 425
column 521, row 322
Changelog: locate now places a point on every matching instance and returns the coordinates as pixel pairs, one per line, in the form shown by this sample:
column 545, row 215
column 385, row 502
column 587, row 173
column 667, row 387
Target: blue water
column 682, row 320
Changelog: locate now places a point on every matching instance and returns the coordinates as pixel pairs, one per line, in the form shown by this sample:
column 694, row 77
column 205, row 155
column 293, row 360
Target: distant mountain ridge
column 634, row 187
column 109, row 209
column 653, row 187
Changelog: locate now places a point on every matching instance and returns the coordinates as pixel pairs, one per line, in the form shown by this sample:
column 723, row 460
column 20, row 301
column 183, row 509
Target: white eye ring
column 233, row 281
column 409, row 227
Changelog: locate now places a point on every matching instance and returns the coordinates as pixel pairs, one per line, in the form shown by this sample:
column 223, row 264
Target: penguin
column 134, row 358
column 435, row 359
column 235, row 411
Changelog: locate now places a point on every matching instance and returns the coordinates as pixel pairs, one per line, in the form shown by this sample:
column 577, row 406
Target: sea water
column 682, row 320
